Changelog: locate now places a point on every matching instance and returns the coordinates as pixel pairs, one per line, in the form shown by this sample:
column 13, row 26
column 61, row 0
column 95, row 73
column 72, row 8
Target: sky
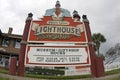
column 103, row 15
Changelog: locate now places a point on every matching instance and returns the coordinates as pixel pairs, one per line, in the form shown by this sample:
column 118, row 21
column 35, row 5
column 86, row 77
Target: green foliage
column 113, row 50
column 98, row 38
column 40, row 71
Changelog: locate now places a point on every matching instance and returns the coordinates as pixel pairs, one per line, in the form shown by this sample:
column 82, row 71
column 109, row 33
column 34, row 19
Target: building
column 9, row 47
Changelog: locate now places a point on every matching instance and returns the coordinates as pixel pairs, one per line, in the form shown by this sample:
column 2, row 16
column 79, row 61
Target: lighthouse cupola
column 76, row 16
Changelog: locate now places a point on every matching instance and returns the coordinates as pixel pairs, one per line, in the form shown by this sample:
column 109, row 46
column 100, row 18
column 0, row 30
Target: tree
column 98, row 38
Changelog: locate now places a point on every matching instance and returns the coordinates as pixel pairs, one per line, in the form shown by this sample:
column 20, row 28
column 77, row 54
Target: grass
column 118, row 78
column 5, row 71
column 4, row 78
column 1, row 79
column 116, row 71
column 58, row 77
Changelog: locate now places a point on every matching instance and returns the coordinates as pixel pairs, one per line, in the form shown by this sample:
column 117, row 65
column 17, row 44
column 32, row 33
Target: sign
column 56, row 32
column 57, row 56
column 58, row 22
column 50, row 30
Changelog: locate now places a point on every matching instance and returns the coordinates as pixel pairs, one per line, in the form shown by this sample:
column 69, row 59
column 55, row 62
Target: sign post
column 23, row 46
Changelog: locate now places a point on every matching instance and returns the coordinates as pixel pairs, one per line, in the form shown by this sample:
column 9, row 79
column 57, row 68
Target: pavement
column 10, row 77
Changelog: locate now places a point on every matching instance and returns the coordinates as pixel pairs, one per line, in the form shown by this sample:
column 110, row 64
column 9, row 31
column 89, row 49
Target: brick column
column 100, row 67
column 23, row 45
column 90, row 45
column 13, row 65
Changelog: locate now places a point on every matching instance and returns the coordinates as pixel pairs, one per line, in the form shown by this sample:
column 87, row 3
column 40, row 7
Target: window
column 17, row 43
column 0, row 58
column 1, row 62
column 5, row 42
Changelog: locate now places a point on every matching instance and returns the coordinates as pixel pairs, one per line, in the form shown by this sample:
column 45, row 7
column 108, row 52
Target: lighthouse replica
column 69, row 39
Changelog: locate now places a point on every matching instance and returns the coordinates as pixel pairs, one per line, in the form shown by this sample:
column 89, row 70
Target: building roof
column 11, row 35
column 0, row 32
column 9, row 50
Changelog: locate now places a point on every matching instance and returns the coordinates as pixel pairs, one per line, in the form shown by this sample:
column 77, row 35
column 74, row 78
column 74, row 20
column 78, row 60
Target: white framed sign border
column 56, row 65
column 55, row 41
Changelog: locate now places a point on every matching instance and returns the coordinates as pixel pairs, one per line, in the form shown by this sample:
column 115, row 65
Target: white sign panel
column 56, row 55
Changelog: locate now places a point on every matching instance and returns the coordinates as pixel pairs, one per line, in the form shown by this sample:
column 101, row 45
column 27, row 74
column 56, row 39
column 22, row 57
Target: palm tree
column 98, row 38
